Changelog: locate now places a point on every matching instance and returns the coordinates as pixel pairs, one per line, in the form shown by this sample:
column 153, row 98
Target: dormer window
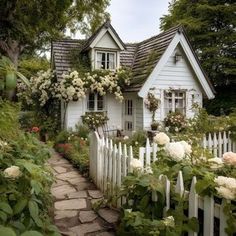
column 106, row 60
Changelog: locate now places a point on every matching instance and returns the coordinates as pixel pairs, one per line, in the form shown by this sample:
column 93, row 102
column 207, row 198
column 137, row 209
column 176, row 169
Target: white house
column 165, row 64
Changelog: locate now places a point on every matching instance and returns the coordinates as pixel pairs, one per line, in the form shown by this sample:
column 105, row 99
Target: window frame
column 96, row 96
column 174, row 98
column 106, row 53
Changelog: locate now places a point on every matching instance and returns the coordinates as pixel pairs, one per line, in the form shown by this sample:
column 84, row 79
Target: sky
column 136, row 20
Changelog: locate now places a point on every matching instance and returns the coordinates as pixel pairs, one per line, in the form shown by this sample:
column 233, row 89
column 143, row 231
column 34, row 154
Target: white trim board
column 179, row 38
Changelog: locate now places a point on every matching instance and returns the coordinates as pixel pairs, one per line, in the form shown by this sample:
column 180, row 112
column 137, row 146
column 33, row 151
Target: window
column 95, row 102
column 105, row 60
column 128, row 125
column 175, row 101
column 129, row 107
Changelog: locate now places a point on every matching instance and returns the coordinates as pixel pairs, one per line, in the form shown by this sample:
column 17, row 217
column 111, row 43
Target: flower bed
column 75, row 147
column 25, row 181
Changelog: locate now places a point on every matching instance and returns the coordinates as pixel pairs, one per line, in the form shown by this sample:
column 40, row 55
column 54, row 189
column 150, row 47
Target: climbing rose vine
column 73, row 86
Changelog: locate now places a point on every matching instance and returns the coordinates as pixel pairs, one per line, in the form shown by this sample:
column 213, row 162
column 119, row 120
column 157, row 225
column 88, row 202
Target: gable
column 177, row 75
column 179, row 40
column 107, row 41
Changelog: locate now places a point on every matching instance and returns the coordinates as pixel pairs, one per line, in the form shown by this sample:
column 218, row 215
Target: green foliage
column 29, row 66
column 24, row 32
column 9, row 127
column 82, row 131
column 25, row 191
column 210, row 26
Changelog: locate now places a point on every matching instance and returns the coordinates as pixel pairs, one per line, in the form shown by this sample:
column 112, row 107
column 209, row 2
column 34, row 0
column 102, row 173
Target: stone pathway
column 73, row 198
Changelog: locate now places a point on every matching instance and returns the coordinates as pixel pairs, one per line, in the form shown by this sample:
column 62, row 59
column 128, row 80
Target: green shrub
column 25, row 180
column 82, row 131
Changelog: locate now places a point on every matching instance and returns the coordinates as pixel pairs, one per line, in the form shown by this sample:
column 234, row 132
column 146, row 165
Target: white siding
column 74, row 112
column 175, row 76
column 107, row 42
column 76, row 109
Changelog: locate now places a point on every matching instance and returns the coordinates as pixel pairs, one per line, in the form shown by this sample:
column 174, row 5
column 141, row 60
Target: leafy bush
column 25, row 181
column 82, row 131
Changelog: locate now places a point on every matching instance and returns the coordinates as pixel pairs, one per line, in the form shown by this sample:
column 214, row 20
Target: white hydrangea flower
column 226, row 193
column 161, row 138
column 12, row 172
column 215, row 162
column 226, row 181
column 136, row 164
column 187, row 147
column 126, row 137
column 169, row 221
column 175, row 150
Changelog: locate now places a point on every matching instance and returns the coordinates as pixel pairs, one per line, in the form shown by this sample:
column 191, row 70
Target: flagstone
column 95, row 193
column 109, row 215
column 78, row 194
column 65, row 214
column 82, row 229
column 71, row 204
column 87, row 216
column 59, row 169
column 61, row 190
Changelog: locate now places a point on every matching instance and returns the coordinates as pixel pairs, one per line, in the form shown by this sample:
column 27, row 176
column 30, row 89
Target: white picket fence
column 109, row 163
column 219, row 143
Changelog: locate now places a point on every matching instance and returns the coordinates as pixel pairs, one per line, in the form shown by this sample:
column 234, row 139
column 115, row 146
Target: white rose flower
column 161, row 139
column 136, row 164
column 12, row 172
column 175, row 150
column 187, row 147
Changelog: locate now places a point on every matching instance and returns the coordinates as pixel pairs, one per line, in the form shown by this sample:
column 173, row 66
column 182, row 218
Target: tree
column 30, row 25
column 211, row 27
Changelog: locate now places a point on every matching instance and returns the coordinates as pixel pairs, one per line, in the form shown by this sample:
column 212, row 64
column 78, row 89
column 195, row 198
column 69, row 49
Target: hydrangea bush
column 144, row 212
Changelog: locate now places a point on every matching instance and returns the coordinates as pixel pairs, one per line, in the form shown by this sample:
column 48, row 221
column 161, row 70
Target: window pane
column 110, row 61
column 91, row 102
column 101, row 59
column 100, row 105
column 128, row 107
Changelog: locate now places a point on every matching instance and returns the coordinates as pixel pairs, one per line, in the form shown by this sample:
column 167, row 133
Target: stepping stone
column 78, row 194
column 65, row 214
column 60, row 191
column 87, row 216
column 59, row 169
column 82, row 229
column 77, row 181
column 85, row 186
column 68, row 175
column 72, row 204
column 95, row 194
column 109, row 215
column 58, row 183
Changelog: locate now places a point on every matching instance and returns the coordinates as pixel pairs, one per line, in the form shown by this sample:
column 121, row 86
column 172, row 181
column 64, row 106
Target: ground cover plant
column 25, row 181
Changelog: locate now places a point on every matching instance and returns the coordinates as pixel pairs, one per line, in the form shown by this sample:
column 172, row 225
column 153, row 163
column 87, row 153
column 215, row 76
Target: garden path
column 73, row 197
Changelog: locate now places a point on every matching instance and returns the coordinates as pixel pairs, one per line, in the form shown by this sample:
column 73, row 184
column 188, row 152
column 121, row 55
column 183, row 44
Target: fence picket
column 148, row 153
column 179, row 188
column 193, row 204
column 110, row 153
column 215, row 144
column 224, row 142
column 154, row 152
column 118, row 173
column 114, row 170
column 220, row 145
column 208, row 226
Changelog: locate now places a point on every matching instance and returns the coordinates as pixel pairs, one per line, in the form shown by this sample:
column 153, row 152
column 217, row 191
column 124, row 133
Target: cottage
column 164, row 64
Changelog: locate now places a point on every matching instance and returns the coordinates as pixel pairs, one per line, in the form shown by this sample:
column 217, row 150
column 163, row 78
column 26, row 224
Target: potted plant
column 152, row 103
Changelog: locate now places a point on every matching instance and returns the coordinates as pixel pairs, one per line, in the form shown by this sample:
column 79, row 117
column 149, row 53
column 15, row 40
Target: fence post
column 208, row 226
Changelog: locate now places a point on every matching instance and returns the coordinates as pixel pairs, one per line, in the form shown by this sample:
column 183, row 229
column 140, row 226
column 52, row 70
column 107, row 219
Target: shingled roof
column 61, row 54
column 142, row 57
